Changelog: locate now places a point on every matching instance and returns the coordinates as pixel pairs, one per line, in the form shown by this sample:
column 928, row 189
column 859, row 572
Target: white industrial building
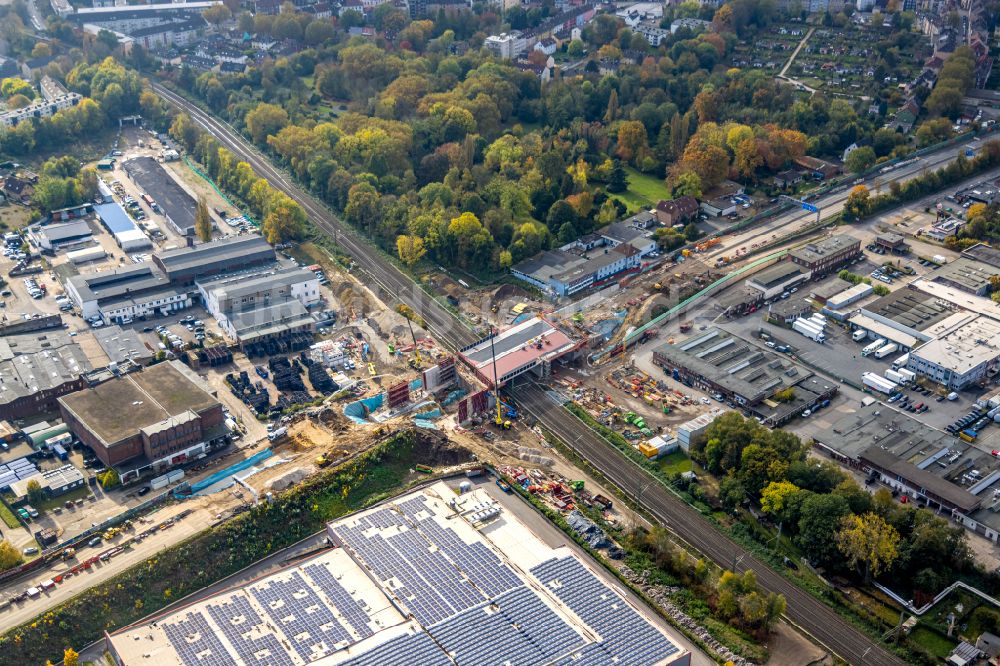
column 775, row 280
column 962, row 357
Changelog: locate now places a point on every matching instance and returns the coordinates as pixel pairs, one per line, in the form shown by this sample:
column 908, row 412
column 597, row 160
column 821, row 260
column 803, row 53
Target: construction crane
column 416, row 347
column 496, row 384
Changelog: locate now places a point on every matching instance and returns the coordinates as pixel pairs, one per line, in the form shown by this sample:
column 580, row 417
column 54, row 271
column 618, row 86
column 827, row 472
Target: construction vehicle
column 503, row 485
column 277, row 434
column 322, row 460
column 685, row 326
column 508, row 410
column 69, row 553
column 371, row 369
column 416, row 347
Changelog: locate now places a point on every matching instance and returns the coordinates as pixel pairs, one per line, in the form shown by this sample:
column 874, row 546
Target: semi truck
column 901, row 361
column 890, row 348
column 872, row 347
column 876, row 383
column 895, row 377
column 808, row 329
column 909, row 375
column 859, row 335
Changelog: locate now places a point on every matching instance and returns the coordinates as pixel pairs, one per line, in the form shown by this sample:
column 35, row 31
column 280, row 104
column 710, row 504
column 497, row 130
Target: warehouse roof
column 910, row 308
column 62, row 232
column 913, row 475
column 270, row 320
column 734, row 364
column 819, row 250
column 970, row 274
column 122, row 344
column 24, row 374
column 275, row 277
column 219, row 255
column 964, row 348
column 983, row 253
column 117, row 282
column 776, row 275
column 141, row 399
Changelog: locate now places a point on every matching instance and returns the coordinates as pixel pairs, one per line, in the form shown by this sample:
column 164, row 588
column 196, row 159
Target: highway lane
column 392, row 285
column 831, row 204
column 803, row 609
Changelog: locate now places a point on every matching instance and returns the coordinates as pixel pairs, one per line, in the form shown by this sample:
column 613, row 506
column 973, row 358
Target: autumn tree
column 869, row 543
column 858, row 204
column 860, row 159
column 203, row 221
column 410, row 249
column 70, row 657
column 264, row 121
column 632, row 141
column 217, row 15
column 35, row 492
column 9, row 556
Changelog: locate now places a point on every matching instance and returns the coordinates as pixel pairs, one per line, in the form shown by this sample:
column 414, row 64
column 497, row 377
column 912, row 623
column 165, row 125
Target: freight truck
column 901, row 361
column 872, row 347
column 895, row 377
column 876, row 383
column 859, row 335
column 890, row 348
column 809, row 330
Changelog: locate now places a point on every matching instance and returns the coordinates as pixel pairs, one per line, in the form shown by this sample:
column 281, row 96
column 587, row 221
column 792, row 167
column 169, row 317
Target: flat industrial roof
column 731, row 362
column 270, row 320
column 140, row 399
column 118, row 282
column 155, row 181
column 223, row 254
column 817, row 251
column 64, row 231
column 236, row 286
column 983, row 253
column 897, row 442
column 970, row 273
column 122, row 344
column 777, row 274
column 964, row 348
column 415, row 581
column 978, row 304
column 115, row 218
column 910, row 308
column 884, row 330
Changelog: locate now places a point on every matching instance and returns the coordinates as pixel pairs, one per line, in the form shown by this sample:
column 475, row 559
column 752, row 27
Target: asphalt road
column 394, row 286
column 794, row 220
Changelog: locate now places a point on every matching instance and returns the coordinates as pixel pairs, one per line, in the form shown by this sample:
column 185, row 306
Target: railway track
column 392, row 286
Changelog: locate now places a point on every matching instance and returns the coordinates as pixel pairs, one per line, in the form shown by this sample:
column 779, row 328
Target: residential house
column 788, row 178
column 676, row 211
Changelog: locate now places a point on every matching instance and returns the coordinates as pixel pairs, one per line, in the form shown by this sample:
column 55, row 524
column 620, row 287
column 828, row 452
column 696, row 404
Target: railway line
column 392, row 285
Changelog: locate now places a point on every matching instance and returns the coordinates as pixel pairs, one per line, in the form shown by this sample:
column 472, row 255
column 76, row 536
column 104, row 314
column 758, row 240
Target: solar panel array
column 351, row 609
column 439, row 574
column 626, row 637
column 516, row 628
column 302, row 616
column 15, row 470
column 195, row 642
column 237, row 618
column 417, row 649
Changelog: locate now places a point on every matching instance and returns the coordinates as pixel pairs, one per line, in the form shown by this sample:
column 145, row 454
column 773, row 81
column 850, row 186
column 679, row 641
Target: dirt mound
column 509, row 292
column 350, row 297
column 434, row 448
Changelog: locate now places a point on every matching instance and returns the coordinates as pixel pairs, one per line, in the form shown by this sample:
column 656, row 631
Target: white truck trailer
column 872, row 347
column 809, row 330
column 876, row 383
column 890, row 348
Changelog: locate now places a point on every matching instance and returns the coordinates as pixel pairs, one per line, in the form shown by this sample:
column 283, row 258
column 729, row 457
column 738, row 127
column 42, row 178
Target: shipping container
column 175, row 476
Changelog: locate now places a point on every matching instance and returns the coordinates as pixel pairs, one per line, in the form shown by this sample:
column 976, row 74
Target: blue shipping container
column 60, row 452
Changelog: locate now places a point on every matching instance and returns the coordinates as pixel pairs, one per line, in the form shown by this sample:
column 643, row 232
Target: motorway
column 831, row 204
column 803, row 610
